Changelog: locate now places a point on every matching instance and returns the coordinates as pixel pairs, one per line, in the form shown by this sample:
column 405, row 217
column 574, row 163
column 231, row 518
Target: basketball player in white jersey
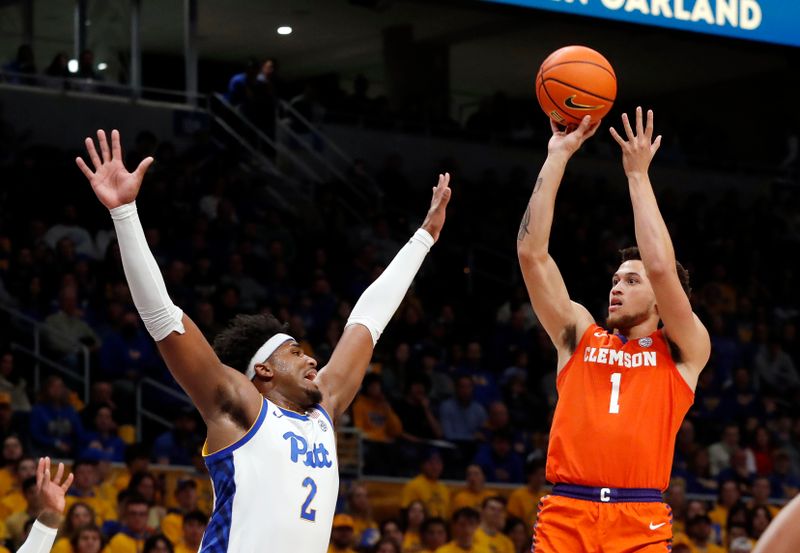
column 270, row 448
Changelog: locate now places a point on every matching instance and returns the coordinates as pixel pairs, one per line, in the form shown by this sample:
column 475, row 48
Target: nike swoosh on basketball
column 656, row 526
column 570, row 103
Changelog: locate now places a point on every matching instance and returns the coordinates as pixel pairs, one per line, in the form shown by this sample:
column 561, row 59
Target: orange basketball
column 573, row 82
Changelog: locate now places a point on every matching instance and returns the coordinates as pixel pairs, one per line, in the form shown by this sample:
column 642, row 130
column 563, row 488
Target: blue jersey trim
column 216, row 538
column 262, row 415
column 324, row 412
column 292, row 414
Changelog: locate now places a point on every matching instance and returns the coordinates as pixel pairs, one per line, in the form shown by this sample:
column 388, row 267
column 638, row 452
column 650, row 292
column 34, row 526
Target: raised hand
column 569, row 141
column 112, row 183
column 434, row 220
column 50, row 493
column 639, row 149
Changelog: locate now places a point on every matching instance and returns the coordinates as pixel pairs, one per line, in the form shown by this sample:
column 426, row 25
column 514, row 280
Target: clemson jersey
column 621, row 403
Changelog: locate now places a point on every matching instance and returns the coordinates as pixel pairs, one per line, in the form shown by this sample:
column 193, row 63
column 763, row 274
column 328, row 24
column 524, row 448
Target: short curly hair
column 633, row 253
column 239, row 342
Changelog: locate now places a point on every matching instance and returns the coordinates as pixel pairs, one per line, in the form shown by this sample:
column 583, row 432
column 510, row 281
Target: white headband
column 265, row 352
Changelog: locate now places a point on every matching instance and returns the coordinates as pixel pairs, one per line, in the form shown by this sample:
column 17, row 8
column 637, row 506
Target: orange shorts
column 567, row 525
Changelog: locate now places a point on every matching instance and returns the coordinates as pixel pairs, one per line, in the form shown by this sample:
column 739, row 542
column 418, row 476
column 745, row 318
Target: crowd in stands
column 463, row 381
column 84, row 76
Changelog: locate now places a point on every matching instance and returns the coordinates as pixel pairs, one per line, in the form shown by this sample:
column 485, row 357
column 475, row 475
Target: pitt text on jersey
column 609, row 356
column 316, row 457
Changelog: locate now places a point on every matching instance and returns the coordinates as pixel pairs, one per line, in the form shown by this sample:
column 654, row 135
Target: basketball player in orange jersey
column 624, row 389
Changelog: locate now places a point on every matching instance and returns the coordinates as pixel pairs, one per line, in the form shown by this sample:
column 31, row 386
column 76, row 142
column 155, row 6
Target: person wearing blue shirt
column 461, row 416
column 104, row 438
column 56, row 428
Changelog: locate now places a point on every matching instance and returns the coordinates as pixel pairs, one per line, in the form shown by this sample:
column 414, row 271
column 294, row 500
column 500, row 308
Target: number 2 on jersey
column 305, row 512
column 613, row 405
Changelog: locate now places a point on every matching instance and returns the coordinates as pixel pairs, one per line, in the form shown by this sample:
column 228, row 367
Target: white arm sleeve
column 40, row 539
column 159, row 314
column 378, row 303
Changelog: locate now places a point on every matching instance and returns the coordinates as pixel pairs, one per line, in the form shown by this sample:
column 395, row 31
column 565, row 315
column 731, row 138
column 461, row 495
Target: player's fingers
column 554, row 127
column 93, row 153
column 59, row 473
column 592, row 129
column 68, row 482
column 626, row 124
column 615, row 135
column 143, row 167
column 116, row 148
column 447, row 179
column 656, row 144
column 84, row 168
column 586, row 123
column 101, row 138
column 639, row 122
column 648, row 130
column 40, row 471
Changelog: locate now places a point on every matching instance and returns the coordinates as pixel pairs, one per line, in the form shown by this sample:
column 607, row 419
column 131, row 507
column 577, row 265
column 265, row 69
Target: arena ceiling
column 491, row 47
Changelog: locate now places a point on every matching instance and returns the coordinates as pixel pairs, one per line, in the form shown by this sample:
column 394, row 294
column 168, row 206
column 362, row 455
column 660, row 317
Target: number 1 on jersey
column 305, row 512
column 613, row 406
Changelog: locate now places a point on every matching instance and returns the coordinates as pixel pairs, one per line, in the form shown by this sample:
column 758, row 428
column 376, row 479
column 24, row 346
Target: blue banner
column 775, row 21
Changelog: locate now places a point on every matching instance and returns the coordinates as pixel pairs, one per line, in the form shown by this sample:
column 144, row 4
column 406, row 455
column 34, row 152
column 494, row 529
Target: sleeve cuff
column 124, row 211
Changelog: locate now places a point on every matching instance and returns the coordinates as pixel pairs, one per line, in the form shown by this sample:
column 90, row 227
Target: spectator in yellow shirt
column 15, row 524
column 524, row 502
column 390, row 528
column 698, row 536
column 79, row 515
column 489, row 535
column 760, row 517
column 194, row 524
column 88, row 539
column 12, row 454
column 157, row 544
column 520, row 535
column 465, row 522
column 342, row 534
column 413, row 517
column 475, row 492
column 433, row 534
column 728, row 496
column 134, row 532
column 14, row 501
column 186, row 497
column 761, row 491
column 427, row 488
column 137, row 459
column 373, row 414
column 84, row 489
column 365, row 529
column 146, row 485
column 386, row 545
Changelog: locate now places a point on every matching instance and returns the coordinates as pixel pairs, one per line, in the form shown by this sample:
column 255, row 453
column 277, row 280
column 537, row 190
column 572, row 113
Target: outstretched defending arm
column 564, row 320
column 682, row 326
column 50, row 494
column 188, row 355
column 340, row 379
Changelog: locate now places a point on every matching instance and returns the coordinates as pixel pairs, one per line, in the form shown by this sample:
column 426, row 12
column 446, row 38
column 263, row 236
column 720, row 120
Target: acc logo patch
column 320, row 420
column 646, row 342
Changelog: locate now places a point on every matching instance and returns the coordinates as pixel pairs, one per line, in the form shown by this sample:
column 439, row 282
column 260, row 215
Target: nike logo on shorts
column 656, row 526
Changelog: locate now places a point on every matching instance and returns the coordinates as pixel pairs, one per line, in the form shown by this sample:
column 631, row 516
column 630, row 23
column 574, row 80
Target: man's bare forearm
column 652, row 235
column 534, row 229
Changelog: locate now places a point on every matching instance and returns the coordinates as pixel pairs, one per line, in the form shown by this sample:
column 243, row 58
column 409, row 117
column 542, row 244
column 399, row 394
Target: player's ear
column 264, row 371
